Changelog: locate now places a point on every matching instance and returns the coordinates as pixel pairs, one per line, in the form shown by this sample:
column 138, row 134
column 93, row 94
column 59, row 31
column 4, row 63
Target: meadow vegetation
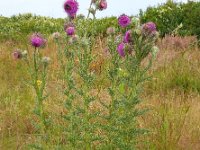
column 170, row 106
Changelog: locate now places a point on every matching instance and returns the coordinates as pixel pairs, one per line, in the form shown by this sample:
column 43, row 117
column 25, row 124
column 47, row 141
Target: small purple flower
column 37, row 40
column 71, row 7
column 120, row 49
column 17, row 54
column 124, row 20
column 70, row 31
column 149, row 28
column 127, row 37
column 102, row 4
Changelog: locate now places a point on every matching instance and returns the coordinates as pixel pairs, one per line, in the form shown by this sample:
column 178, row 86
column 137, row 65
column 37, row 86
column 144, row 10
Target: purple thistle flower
column 70, row 31
column 37, row 40
column 127, row 37
column 124, row 20
column 17, row 54
column 71, row 7
column 120, row 49
column 102, row 4
column 149, row 28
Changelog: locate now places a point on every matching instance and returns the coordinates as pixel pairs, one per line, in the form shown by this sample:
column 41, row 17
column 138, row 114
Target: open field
column 172, row 96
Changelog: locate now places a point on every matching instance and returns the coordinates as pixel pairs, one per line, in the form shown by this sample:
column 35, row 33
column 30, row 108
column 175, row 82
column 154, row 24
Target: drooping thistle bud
column 127, row 37
column 102, row 4
column 71, row 8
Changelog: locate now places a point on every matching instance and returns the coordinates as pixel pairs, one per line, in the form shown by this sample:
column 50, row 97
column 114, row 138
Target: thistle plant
column 37, row 69
column 75, row 59
column 127, row 74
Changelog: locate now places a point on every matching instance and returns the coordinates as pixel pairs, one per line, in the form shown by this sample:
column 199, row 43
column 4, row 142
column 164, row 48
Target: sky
column 54, row 8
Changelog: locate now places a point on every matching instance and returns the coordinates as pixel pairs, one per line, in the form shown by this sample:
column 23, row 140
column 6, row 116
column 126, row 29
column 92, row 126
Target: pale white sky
column 54, row 8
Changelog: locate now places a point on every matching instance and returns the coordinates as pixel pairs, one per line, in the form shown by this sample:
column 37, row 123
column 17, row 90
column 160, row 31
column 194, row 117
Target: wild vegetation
column 103, row 87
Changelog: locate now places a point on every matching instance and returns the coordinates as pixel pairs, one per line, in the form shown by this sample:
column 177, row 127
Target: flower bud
column 73, row 39
column 101, row 5
column 128, row 37
column 120, row 49
column 135, row 21
column 110, row 31
column 56, row 35
column 45, row 60
column 17, row 54
column 24, row 54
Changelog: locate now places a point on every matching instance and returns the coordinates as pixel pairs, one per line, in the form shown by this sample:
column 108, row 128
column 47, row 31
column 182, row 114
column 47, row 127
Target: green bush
column 17, row 28
column 170, row 15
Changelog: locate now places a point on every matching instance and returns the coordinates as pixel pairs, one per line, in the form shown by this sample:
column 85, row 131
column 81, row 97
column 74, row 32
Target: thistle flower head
column 70, row 31
column 124, row 20
column 37, row 40
column 127, row 37
column 120, row 49
column 17, row 54
column 149, row 28
column 102, row 5
column 71, row 8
